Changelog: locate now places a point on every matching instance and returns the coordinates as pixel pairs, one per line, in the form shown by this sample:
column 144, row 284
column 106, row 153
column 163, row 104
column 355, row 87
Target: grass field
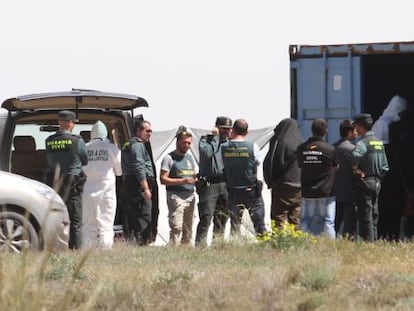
column 235, row 275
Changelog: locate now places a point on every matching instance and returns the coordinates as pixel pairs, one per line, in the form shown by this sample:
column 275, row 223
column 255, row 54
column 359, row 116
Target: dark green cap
column 224, row 122
column 67, row 115
column 363, row 118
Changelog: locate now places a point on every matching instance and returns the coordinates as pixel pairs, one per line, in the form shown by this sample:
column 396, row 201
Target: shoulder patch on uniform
column 125, row 145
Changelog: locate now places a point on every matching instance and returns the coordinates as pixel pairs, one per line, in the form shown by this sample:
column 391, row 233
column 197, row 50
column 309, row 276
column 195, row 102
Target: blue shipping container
column 336, row 82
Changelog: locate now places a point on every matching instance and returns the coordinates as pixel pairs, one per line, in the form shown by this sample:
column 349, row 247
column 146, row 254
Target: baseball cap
column 224, row 122
column 67, row 115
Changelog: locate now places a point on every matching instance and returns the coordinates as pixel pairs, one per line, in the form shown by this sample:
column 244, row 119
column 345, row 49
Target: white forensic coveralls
column 99, row 194
column 390, row 114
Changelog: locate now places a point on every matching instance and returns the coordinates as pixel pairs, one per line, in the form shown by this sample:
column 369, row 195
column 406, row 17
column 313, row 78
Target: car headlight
column 45, row 191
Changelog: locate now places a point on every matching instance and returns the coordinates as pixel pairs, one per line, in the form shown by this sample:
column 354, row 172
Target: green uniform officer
column 212, row 189
column 369, row 165
column 240, row 159
column 66, row 154
column 139, row 184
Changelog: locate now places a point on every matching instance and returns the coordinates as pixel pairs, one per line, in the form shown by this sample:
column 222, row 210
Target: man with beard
column 178, row 175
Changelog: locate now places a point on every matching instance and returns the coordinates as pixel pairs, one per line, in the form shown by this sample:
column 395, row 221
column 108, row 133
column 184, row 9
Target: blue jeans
column 318, row 216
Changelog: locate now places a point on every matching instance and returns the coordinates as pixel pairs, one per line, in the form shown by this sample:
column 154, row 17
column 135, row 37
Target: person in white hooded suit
column 390, row 114
column 99, row 195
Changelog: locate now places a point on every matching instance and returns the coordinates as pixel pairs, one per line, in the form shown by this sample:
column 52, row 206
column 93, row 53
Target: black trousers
column 212, row 202
column 155, row 211
column 391, row 204
column 345, row 218
column 253, row 202
column 366, row 199
column 138, row 211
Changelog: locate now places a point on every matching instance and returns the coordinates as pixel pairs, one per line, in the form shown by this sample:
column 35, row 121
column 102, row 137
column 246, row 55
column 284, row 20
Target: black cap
column 364, row 119
column 224, row 122
column 67, row 115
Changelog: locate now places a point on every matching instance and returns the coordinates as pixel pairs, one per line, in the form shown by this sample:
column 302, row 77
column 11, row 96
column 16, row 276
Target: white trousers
column 98, row 221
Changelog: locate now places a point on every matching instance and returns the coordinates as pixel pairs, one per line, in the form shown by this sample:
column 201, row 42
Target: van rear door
column 75, row 99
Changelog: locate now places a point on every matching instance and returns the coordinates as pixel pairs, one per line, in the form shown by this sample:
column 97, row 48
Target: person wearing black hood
column 282, row 173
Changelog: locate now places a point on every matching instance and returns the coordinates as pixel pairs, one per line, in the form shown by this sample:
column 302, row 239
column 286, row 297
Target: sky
column 191, row 60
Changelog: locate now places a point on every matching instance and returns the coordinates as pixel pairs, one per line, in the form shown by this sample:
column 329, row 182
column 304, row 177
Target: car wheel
column 16, row 233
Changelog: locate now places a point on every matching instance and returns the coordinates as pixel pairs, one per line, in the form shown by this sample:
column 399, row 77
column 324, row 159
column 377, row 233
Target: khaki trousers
column 180, row 216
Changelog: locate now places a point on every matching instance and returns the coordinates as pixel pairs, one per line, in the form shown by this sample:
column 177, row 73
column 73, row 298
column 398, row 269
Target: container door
column 327, row 88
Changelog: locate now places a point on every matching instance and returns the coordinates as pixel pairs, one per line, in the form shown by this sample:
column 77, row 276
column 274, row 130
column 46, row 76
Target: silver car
column 32, row 216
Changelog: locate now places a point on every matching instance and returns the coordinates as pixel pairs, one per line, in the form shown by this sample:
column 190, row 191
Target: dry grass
column 329, row 275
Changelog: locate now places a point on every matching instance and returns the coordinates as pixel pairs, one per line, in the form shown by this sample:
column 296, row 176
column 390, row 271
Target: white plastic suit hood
column 390, row 114
column 99, row 131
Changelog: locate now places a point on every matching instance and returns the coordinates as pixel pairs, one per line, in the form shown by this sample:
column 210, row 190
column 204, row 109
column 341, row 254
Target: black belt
column 244, row 188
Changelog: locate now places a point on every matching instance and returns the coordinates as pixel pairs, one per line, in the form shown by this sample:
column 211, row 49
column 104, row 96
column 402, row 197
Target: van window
column 40, row 135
